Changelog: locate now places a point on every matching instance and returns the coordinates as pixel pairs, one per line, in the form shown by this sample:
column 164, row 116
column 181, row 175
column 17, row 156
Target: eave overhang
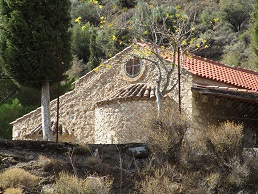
column 226, row 92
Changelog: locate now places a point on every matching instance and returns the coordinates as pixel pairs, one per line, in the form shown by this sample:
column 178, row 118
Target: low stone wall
column 75, row 116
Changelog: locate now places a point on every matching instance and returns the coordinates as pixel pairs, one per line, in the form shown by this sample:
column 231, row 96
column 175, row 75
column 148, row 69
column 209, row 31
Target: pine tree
column 33, row 33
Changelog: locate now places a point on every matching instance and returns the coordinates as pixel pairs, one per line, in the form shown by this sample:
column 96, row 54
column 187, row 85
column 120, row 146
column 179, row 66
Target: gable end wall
column 77, row 107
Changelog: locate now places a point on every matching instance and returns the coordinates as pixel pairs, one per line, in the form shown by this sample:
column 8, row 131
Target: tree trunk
column 45, row 112
column 157, row 93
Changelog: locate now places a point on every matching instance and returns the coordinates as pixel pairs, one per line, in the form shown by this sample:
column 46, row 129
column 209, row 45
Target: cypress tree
column 94, row 59
column 255, row 30
column 32, row 34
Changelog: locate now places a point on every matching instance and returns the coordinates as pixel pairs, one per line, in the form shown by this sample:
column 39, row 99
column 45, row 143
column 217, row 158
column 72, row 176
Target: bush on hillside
column 9, row 112
column 161, row 180
column 126, row 3
column 212, row 161
column 167, row 134
column 17, row 177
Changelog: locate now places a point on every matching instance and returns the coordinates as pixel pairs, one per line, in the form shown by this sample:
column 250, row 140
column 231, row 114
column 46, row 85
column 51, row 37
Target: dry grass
column 93, row 161
column 82, row 148
column 70, row 184
column 13, row 191
column 55, row 166
column 17, row 177
column 165, row 179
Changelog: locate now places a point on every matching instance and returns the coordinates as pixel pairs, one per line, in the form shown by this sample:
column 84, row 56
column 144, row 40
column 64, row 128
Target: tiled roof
column 218, row 72
column 133, row 91
column 222, row 88
column 226, row 92
column 209, row 69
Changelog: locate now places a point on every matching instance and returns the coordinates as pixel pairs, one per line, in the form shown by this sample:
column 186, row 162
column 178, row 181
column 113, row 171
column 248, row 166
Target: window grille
column 133, row 67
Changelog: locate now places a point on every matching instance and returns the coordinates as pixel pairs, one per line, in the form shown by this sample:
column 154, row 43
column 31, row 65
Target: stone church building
column 111, row 103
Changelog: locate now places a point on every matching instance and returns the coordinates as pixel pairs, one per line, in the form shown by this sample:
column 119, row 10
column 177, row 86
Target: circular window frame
column 137, row 75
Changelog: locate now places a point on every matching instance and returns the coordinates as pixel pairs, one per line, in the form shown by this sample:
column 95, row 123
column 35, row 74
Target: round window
column 133, row 67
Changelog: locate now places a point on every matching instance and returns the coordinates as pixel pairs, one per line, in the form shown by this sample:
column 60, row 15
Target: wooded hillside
column 102, row 28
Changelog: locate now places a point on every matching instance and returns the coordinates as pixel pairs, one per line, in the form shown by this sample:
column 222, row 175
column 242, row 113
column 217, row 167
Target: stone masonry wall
column 127, row 121
column 211, row 110
column 202, row 108
column 77, row 107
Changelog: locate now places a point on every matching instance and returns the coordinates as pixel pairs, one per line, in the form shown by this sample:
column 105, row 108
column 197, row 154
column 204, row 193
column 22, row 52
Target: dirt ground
column 47, row 159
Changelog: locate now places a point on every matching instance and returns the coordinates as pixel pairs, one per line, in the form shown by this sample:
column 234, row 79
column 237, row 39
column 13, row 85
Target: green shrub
column 86, row 10
column 94, row 59
column 9, row 112
column 236, row 13
column 209, row 17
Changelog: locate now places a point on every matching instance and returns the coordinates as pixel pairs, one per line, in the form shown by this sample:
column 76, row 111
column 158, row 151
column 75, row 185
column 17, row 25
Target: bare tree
column 167, row 32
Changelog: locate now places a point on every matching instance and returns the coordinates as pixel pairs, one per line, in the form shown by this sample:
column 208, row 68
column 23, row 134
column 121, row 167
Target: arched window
column 133, row 66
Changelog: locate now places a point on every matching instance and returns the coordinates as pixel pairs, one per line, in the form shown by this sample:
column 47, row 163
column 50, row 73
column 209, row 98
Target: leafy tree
column 81, row 41
column 34, row 36
column 86, row 11
column 93, row 32
column 236, row 12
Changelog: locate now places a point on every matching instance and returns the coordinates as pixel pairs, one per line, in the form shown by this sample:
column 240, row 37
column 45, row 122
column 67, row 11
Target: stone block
column 138, row 152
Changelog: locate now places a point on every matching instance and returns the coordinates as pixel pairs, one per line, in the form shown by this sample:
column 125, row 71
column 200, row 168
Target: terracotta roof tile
column 223, row 88
column 217, row 71
column 133, row 91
